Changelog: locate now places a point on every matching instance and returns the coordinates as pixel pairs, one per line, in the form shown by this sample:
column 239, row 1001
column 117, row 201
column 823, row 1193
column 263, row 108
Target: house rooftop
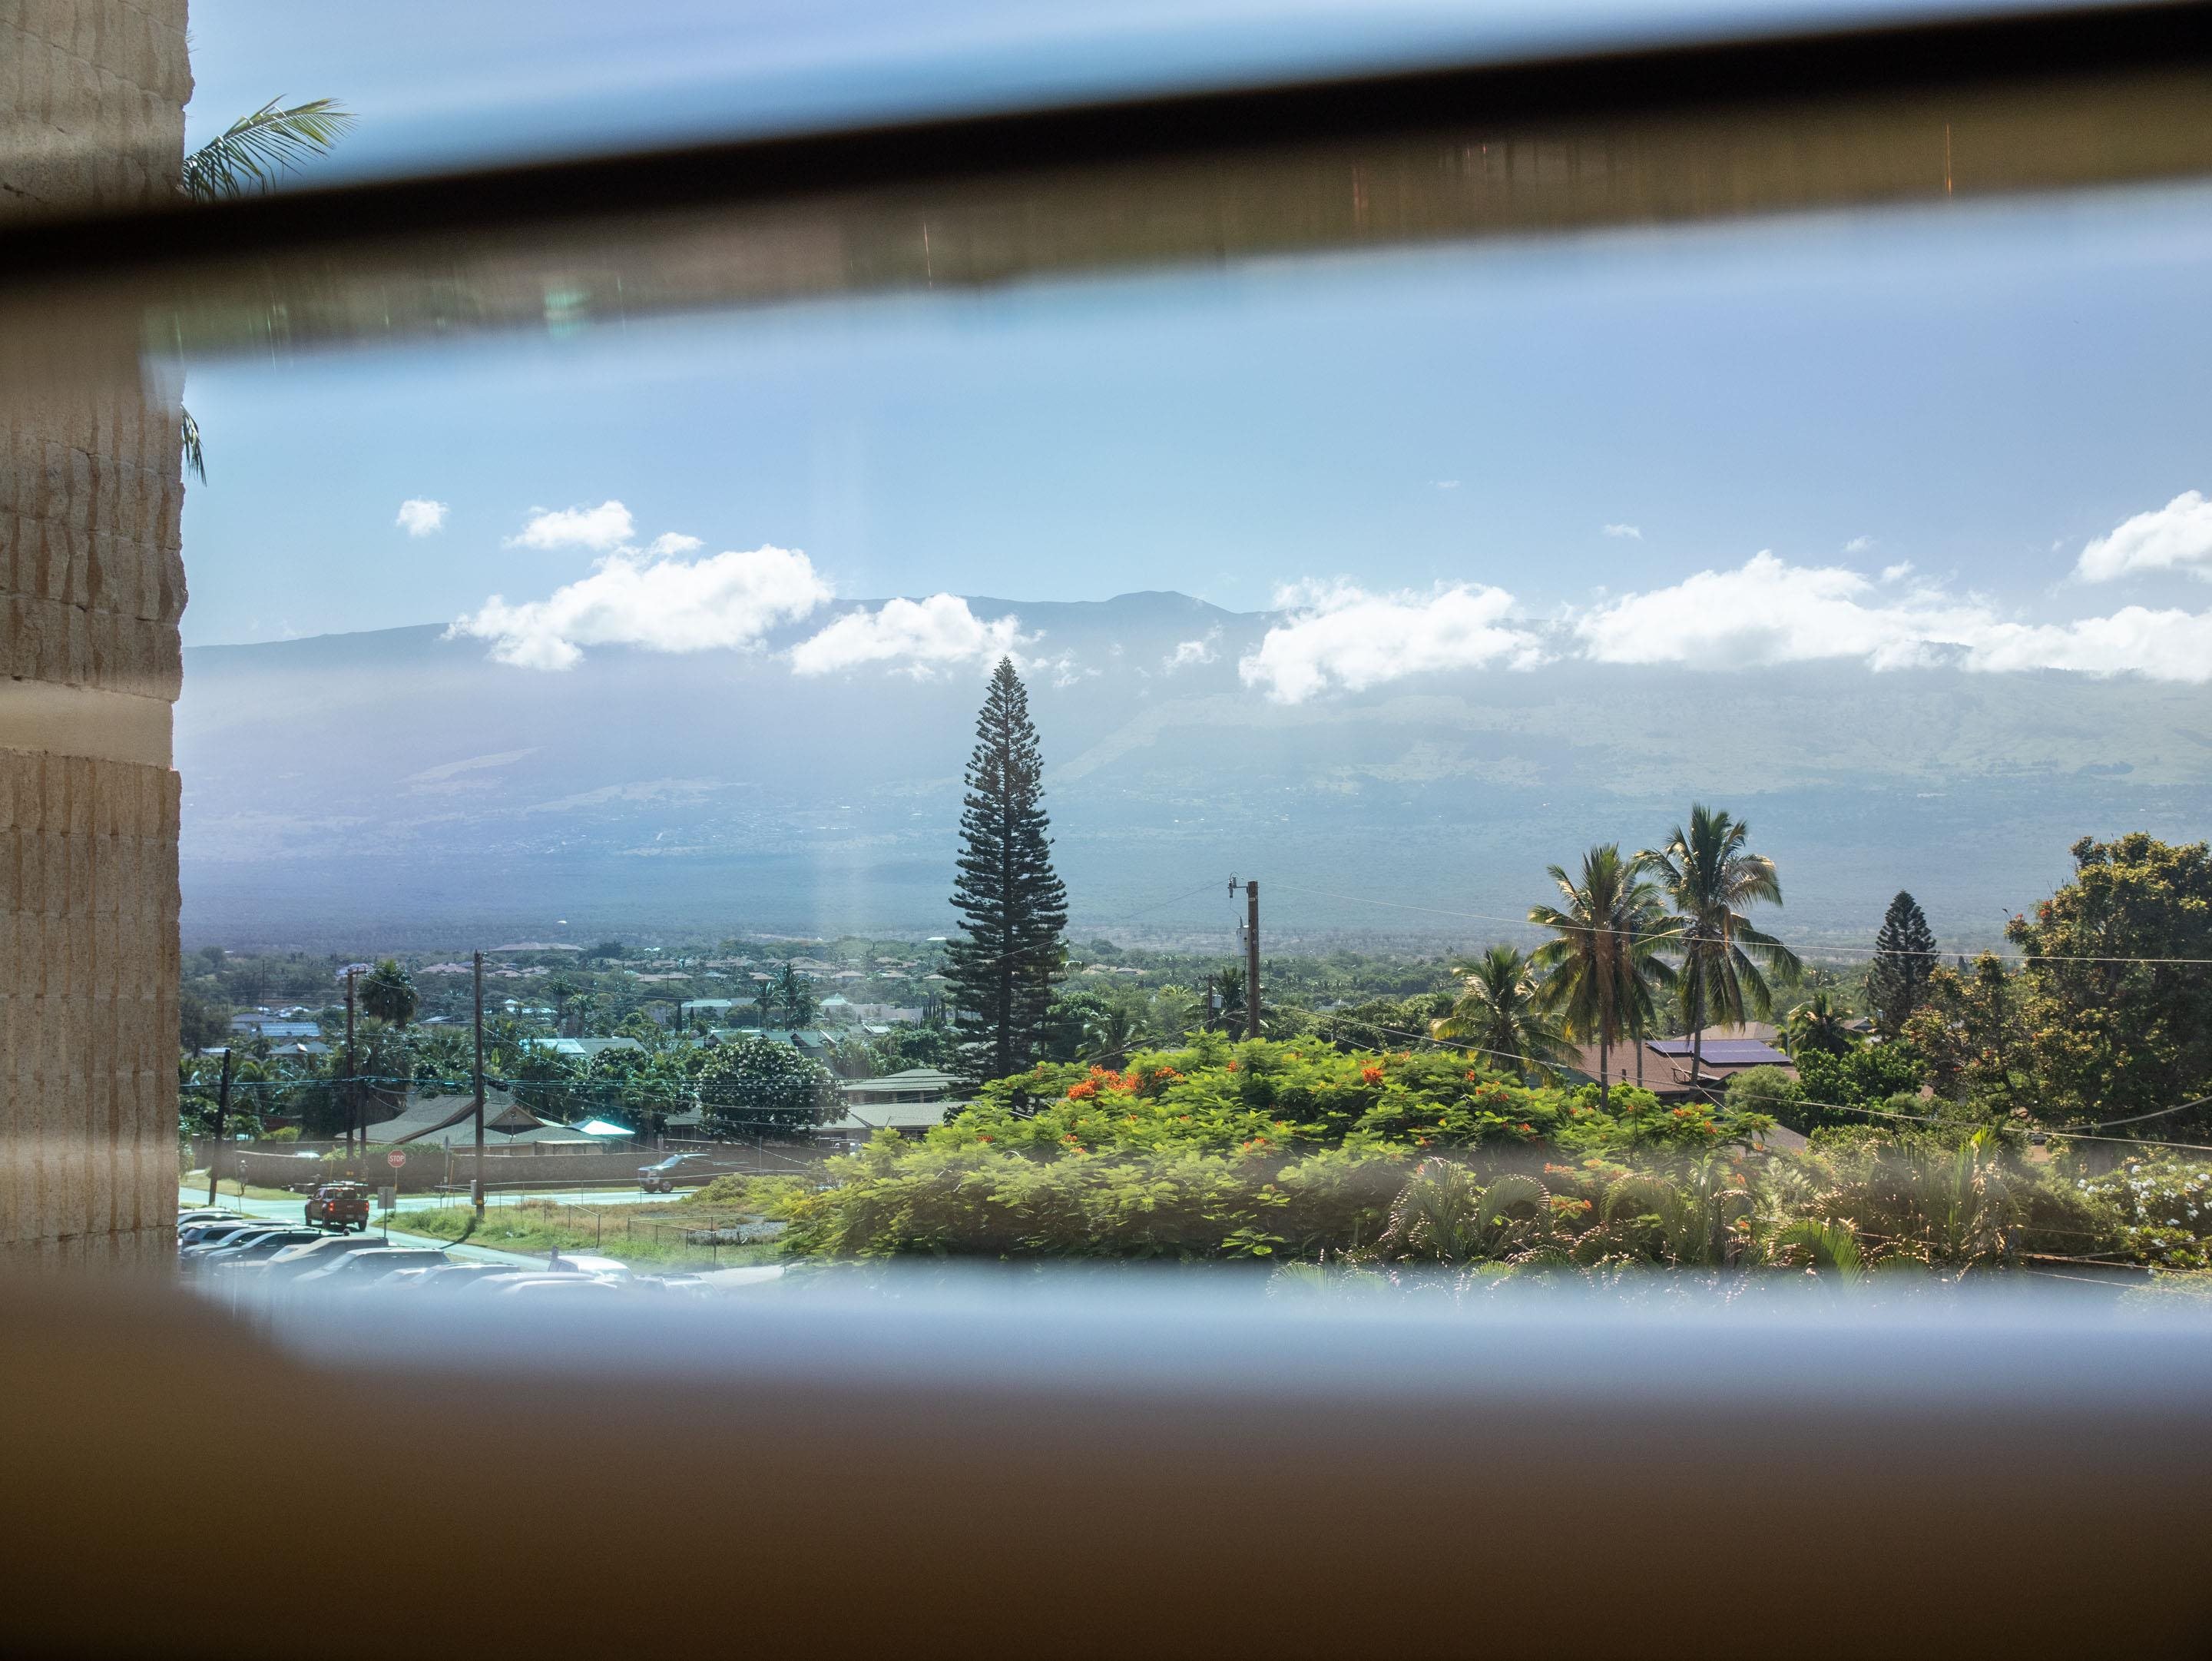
column 1723, row 1052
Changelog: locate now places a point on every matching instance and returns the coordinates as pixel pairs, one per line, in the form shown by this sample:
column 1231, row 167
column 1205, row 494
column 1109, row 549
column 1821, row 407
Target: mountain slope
column 397, row 785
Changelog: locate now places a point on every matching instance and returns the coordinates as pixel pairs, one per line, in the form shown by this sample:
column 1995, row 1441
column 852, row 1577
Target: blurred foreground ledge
column 1116, row 1465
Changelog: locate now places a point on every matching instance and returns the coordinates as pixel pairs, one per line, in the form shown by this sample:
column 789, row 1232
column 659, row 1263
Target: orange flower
column 1371, row 1075
column 1527, row 1130
column 1082, row 1092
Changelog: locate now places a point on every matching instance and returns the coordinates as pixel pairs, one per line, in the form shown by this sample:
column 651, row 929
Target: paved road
column 197, row 1193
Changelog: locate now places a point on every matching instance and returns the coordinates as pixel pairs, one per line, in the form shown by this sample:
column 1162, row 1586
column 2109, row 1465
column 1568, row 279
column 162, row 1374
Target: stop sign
column 395, row 1159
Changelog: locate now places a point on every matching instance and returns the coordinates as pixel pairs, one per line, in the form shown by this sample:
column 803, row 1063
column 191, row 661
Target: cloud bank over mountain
column 1334, row 638
column 402, row 779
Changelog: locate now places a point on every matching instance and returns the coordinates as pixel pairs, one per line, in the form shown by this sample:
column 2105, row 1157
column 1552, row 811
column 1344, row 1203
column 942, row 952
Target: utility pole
column 221, row 1115
column 1252, row 959
column 353, row 1085
column 475, row 1184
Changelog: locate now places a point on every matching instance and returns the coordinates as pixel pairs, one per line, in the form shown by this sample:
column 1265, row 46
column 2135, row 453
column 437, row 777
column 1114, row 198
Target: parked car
column 195, row 1233
column 204, row 1215
column 318, row 1253
column 265, row 1243
column 685, row 1286
column 605, row 1268
column 535, row 1286
column 361, row 1268
column 661, row 1178
column 206, row 1243
column 453, row 1277
column 339, row 1205
column 492, row 1285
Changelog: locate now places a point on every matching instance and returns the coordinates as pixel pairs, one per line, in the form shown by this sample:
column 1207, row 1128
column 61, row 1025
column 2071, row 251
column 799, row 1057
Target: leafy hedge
column 1259, row 1149
column 1293, row 1151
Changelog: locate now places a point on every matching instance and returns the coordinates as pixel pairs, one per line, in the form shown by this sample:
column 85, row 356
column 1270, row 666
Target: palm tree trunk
column 1697, row 1029
column 1602, row 1067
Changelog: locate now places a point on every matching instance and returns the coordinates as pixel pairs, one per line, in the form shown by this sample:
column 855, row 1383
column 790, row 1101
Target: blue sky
column 1976, row 391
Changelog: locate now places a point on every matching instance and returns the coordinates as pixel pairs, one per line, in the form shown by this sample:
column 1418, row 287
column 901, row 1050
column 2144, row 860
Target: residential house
column 274, row 1028
column 811, row 1042
column 1662, row 1066
column 583, row 1049
column 449, row 1121
column 908, row 1102
column 913, row 1084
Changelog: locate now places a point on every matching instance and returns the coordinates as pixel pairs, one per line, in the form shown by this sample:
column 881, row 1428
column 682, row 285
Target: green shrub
column 2160, row 1209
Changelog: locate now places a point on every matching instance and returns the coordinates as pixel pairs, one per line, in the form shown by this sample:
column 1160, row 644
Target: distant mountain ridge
column 396, row 785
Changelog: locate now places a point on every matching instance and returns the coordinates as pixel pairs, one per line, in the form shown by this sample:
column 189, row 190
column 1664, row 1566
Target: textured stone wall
column 91, row 588
column 87, row 1007
column 92, row 97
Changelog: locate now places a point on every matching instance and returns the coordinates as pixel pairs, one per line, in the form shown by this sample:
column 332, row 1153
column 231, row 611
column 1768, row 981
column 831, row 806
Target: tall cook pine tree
column 1013, row 905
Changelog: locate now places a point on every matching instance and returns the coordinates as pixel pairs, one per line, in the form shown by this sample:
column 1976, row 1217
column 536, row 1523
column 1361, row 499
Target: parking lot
column 263, row 1251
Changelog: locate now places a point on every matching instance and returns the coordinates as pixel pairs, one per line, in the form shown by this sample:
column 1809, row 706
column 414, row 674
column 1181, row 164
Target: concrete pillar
column 91, row 95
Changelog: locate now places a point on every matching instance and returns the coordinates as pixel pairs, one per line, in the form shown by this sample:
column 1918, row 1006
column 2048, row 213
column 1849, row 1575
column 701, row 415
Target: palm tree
column 1231, row 1013
column 1818, row 1025
column 1600, row 970
column 1175, row 1010
column 797, row 997
column 387, row 992
column 1499, row 1013
column 1711, row 880
column 764, row 1003
column 251, row 155
column 1111, row 1034
column 1648, row 972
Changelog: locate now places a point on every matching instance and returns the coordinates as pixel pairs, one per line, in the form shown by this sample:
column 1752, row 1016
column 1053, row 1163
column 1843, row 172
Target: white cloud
column 1768, row 611
column 1447, row 485
column 2168, row 645
column 1898, row 572
column 600, row 528
column 1633, row 533
column 1188, row 653
column 1858, row 544
column 1343, row 636
column 920, row 636
column 726, row 601
column 419, row 516
column 670, row 543
column 2175, row 537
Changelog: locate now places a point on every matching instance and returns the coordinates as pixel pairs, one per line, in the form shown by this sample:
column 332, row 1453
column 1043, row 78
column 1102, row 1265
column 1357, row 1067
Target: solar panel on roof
column 1726, row 1052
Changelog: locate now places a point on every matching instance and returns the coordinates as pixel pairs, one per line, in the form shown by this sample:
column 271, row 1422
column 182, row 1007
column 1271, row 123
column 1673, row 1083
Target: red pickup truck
column 339, row 1205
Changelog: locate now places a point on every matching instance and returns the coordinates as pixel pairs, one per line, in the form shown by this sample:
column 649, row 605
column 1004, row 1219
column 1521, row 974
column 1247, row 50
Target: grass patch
column 641, row 1234
column 194, row 1184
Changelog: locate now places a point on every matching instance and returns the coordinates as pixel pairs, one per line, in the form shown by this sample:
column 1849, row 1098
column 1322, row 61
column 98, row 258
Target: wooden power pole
column 353, row 1084
column 1252, row 959
column 475, row 1184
